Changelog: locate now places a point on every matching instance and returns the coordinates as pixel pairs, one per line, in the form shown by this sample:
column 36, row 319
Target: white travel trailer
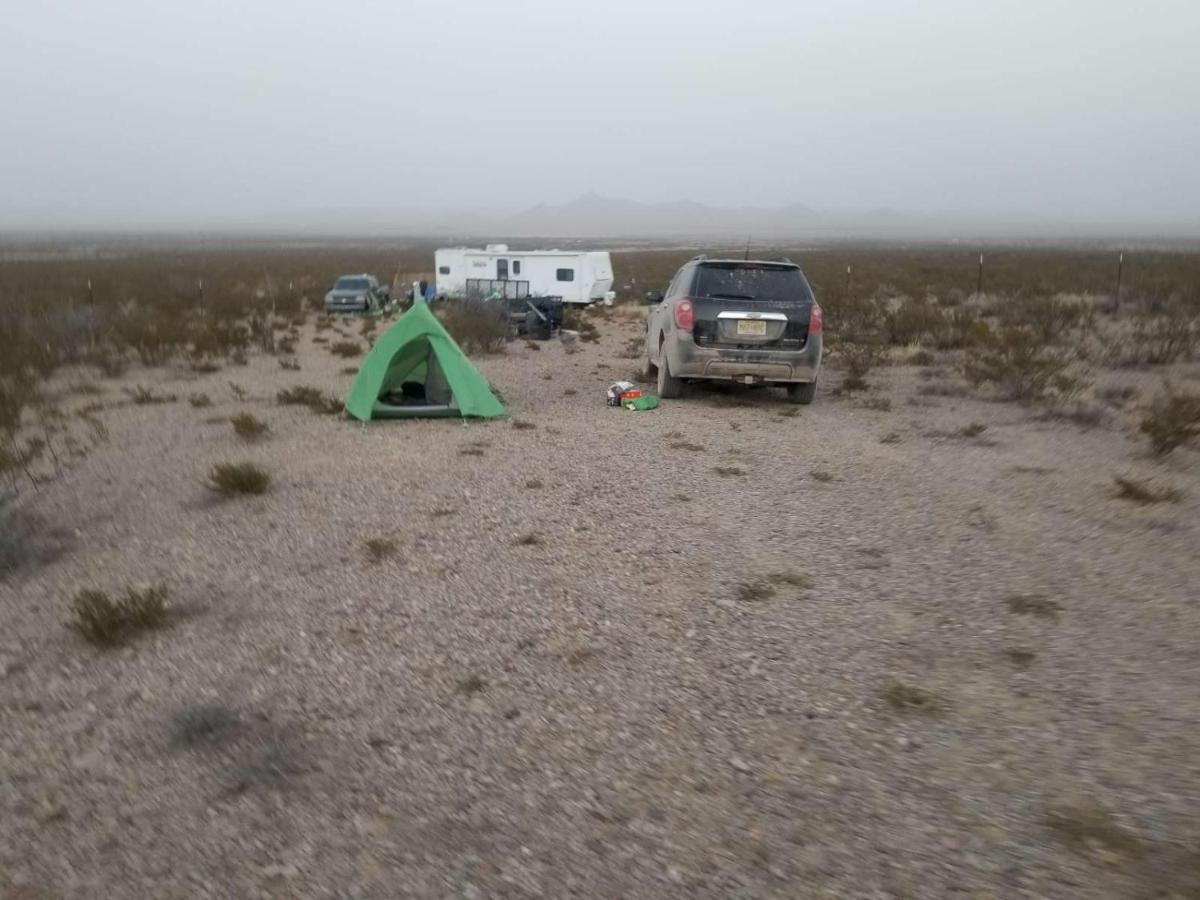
column 576, row 277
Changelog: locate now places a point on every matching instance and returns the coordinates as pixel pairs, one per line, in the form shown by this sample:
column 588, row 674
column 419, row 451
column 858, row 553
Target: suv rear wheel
column 802, row 393
column 669, row 387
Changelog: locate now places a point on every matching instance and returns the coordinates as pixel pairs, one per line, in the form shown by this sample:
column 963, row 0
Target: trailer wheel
column 536, row 328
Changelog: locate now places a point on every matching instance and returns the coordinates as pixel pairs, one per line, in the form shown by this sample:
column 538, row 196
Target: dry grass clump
column 106, row 622
column 477, row 326
column 313, row 398
column 1172, row 420
column 144, row 396
column 1036, row 605
column 346, row 349
column 1087, row 827
column 232, row 479
column 1020, row 365
column 379, row 549
column 523, row 425
column 289, row 363
column 249, row 428
column 1143, row 491
column 200, row 401
column 531, row 539
column 904, row 697
column 687, row 445
column 729, row 471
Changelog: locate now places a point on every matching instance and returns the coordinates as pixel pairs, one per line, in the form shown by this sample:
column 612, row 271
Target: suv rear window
column 750, row 281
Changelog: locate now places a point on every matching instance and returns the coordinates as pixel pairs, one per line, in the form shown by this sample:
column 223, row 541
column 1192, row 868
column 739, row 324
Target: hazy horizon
column 129, row 115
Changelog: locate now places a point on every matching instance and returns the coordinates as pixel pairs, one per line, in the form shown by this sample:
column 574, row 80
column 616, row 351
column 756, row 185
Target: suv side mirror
column 654, row 296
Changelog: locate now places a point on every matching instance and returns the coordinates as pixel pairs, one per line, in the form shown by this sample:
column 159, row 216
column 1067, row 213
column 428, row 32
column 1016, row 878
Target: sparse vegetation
column 1172, row 420
column 249, row 428
column 892, row 437
column 821, row 476
column 908, row 698
column 729, row 471
column 687, row 445
column 239, row 478
column 530, row 539
column 1036, row 605
column 1143, row 492
column 1019, row 365
column 346, row 349
column 106, row 622
column 523, row 425
column 311, row 397
column 472, row 684
column 477, row 326
column 144, row 396
column 379, row 549
column 1087, row 827
column 289, row 363
column 200, row 401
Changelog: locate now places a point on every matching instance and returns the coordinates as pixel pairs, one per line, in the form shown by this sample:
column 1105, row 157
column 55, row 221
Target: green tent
column 415, row 370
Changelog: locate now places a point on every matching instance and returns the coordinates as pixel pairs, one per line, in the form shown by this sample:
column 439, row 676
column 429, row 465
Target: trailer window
column 443, row 270
column 566, row 274
column 516, row 267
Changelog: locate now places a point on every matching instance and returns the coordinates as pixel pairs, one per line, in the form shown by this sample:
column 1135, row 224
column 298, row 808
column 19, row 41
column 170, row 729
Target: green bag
column 646, row 401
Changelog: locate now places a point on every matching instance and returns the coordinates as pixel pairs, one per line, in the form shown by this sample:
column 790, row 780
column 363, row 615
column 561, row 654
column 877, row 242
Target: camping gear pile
column 625, row 395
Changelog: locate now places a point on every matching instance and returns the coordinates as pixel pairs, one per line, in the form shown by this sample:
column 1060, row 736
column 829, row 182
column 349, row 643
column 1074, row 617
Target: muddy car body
column 749, row 321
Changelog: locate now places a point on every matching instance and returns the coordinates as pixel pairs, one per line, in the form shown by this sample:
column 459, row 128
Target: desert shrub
column 379, row 549
column 904, row 697
column 346, row 349
column 858, row 358
column 921, row 358
column 1127, row 488
column 960, row 328
column 1050, row 318
column 111, row 361
column 1019, row 365
column 215, row 338
column 289, row 363
column 913, row 321
column 1171, row 420
column 1172, row 336
column 477, row 326
column 154, row 334
column 106, row 622
column 200, row 401
column 238, row 478
column 144, row 396
column 311, row 397
column 249, row 428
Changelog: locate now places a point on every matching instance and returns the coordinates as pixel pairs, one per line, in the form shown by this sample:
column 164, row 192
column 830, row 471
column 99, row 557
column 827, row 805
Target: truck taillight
column 685, row 315
column 816, row 321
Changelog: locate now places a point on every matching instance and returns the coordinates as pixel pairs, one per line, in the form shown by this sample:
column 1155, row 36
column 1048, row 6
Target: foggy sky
column 143, row 113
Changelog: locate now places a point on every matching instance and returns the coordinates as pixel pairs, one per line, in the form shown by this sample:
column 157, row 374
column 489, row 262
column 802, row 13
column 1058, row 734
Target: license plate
column 754, row 327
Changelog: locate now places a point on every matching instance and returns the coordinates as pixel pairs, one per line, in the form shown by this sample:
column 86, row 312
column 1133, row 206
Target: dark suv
column 751, row 321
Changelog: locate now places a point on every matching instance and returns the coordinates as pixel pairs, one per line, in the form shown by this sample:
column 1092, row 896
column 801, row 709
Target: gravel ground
column 711, row 650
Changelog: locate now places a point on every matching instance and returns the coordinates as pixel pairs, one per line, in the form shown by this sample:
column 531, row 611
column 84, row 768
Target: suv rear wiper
column 731, row 297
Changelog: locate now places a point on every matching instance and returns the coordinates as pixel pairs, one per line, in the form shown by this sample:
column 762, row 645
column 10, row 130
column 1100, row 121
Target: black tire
column 802, row 393
column 669, row 387
column 536, row 329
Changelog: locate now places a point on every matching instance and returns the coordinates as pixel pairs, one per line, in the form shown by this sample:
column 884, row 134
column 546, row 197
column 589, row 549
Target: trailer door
column 502, row 270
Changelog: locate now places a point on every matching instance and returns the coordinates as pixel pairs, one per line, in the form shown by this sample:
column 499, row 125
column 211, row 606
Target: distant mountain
column 591, row 215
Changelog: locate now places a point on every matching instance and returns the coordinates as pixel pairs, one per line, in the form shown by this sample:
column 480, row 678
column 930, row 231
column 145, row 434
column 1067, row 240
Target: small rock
column 674, row 874
column 739, row 764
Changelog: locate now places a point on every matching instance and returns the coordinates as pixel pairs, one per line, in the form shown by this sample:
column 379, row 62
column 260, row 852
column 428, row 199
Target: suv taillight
column 816, row 321
column 685, row 315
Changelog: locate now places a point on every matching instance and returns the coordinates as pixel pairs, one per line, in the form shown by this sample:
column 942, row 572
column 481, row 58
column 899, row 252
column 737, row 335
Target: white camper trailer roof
column 503, row 250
